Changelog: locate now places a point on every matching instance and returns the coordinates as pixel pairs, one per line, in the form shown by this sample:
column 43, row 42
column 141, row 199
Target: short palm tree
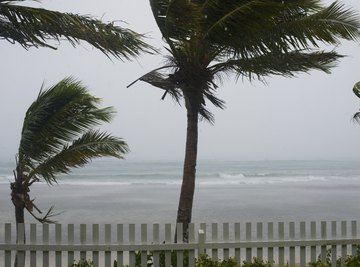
column 208, row 39
column 58, row 134
column 37, row 27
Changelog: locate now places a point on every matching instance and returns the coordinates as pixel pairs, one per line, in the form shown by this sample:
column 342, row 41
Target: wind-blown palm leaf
column 56, row 117
column 282, row 64
column 36, row 27
column 90, row 145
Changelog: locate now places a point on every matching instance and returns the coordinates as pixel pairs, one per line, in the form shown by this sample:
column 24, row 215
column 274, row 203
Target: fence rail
column 290, row 243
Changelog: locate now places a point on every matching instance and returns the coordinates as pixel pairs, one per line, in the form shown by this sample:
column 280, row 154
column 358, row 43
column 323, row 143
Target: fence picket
column 168, row 241
column 58, row 254
column 302, row 248
column 259, row 236
column 132, row 241
column 120, row 240
column 45, row 233
column 95, row 236
column 281, row 232
column 292, row 248
column 290, row 244
column 83, row 241
column 32, row 242
column 270, row 250
column 237, row 239
column 107, row 242
column 226, row 252
column 313, row 236
column 333, row 247
column 70, row 253
column 214, row 239
column 248, row 238
column 323, row 230
column 156, row 240
column 7, row 257
column 353, row 235
column 343, row 235
column 143, row 241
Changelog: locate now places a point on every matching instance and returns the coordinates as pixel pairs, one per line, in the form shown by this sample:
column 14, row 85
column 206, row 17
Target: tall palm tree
column 208, row 39
column 36, row 27
column 58, row 134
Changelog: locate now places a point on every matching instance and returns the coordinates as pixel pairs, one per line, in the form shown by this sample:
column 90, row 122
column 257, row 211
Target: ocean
column 109, row 191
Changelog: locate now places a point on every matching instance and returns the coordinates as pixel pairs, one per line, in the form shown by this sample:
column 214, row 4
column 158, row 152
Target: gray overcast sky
column 308, row 117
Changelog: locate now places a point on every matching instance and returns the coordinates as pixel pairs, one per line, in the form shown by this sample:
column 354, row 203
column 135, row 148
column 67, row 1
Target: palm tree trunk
column 18, row 194
column 19, row 216
column 189, row 171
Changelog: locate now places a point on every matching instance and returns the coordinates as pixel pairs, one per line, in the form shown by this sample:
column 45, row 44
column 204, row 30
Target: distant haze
column 308, row 117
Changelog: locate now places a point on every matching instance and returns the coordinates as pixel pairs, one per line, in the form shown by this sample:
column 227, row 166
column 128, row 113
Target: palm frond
column 176, row 18
column 285, row 64
column 59, row 114
column 36, row 27
column 281, row 25
column 91, row 145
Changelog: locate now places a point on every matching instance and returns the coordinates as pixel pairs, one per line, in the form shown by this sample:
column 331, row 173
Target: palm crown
column 58, row 134
column 248, row 38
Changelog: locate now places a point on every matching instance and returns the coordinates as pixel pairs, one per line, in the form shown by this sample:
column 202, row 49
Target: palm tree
column 208, row 39
column 35, row 27
column 58, row 135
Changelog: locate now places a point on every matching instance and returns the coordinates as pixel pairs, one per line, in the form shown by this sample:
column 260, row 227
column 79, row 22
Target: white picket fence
column 290, row 243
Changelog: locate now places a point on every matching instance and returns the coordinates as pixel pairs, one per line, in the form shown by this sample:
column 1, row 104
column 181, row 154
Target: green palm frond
column 61, row 114
column 36, row 27
column 286, row 65
column 57, row 116
column 282, row 26
column 90, row 145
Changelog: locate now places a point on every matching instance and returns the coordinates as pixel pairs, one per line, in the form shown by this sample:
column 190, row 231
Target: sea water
column 112, row 191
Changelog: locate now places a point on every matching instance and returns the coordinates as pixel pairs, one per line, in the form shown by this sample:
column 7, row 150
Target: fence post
column 201, row 242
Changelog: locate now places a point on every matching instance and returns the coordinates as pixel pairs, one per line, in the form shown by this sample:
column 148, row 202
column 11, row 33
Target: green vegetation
column 348, row 261
column 206, row 261
column 58, row 134
column 36, row 27
column 211, row 39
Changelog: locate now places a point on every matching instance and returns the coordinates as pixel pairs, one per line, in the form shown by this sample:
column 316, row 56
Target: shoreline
column 148, row 204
